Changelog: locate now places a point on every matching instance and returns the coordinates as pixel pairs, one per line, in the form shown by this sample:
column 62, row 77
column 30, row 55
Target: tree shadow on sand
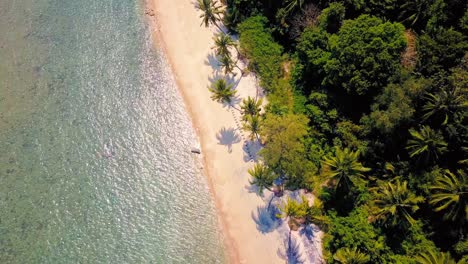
column 251, row 149
column 291, row 253
column 212, row 60
column 266, row 219
column 228, row 137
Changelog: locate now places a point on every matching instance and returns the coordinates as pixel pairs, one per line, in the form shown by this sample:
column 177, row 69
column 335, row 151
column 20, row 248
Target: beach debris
column 196, row 150
column 150, row 12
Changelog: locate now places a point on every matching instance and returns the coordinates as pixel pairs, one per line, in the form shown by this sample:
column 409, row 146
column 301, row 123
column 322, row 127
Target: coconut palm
column 426, row 144
column 228, row 64
column 253, row 125
column 444, row 104
column 262, row 176
column 351, row 256
column 449, row 194
column 434, row 257
column 222, row 92
column 292, row 5
column 250, row 107
column 222, row 44
column 343, row 168
column 393, row 203
column 414, row 11
column 211, row 12
column 293, row 208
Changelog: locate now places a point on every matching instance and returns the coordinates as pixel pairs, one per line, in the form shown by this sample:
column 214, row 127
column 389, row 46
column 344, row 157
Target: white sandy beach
column 176, row 26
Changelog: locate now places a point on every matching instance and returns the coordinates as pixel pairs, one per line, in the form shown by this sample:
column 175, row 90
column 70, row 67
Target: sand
column 176, row 25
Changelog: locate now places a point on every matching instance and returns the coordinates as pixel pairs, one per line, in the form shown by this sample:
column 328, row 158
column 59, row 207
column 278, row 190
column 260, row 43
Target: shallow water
column 95, row 164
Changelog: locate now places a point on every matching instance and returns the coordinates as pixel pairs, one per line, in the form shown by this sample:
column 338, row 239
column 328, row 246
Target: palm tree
column 250, row 107
column 294, row 210
column 351, row 256
column 433, row 257
column 222, row 44
column 343, row 168
column 394, row 203
column 413, row 11
column 222, row 92
column 444, row 104
column 262, row 176
column 253, row 125
column 211, row 12
column 293, row 4
column 228, row 64
column 449, row 193
column 426, row 143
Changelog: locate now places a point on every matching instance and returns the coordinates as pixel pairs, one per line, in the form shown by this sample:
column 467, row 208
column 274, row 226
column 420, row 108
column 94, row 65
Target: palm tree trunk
column 269, row 203
column 220, row 29
column 240, row 111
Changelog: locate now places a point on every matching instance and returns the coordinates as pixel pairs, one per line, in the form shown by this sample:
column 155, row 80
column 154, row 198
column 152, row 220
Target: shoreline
column 187, row 46
column 232, row 255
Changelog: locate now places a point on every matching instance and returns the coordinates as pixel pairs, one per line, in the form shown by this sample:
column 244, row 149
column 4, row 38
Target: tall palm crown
column 250, row 107
column 394, row 203
column 449, row 193
column 444, row 104
column 343, row 168
column 222, row 92
column 211, row 12
column 351, row 256
column 222, row 44
column 426, row 143
column 431, row 257
column 253, row 126
column 227, row 63
column 293, row 4
column 262, row 177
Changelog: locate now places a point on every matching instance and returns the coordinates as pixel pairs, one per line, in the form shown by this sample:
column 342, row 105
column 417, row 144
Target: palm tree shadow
column 251, row 149
column 266, row 219
column 251, row 188
column 228, row 137
column 219, row 75
column 291, row 252
column 308, row 231
column 212, row 60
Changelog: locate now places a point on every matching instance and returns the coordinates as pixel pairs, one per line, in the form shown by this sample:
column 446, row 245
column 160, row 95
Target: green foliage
column 393, row 203
column 342, row 69
column 450, row 195
column 322, row 115
column 434, row 257
column 263, row 177
column 251, row 107
column 343, row 169
column 211, row 11
column 426, row 144
column 364, row 55
column 222, row 92
column 293, row 208
column 355, row 231
column 312, row 49
column 395, row 106
column 351, row 256
column 223, row 42
column 253, row 125
column 263, row 52
column 447, row 102
column 440, row 50
column 332, row 17
column 284, row 149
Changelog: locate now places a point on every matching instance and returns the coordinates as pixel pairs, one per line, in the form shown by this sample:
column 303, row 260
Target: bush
column 263, row 52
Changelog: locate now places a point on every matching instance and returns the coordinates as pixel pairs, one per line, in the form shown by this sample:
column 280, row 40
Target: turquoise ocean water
column 95, row 164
